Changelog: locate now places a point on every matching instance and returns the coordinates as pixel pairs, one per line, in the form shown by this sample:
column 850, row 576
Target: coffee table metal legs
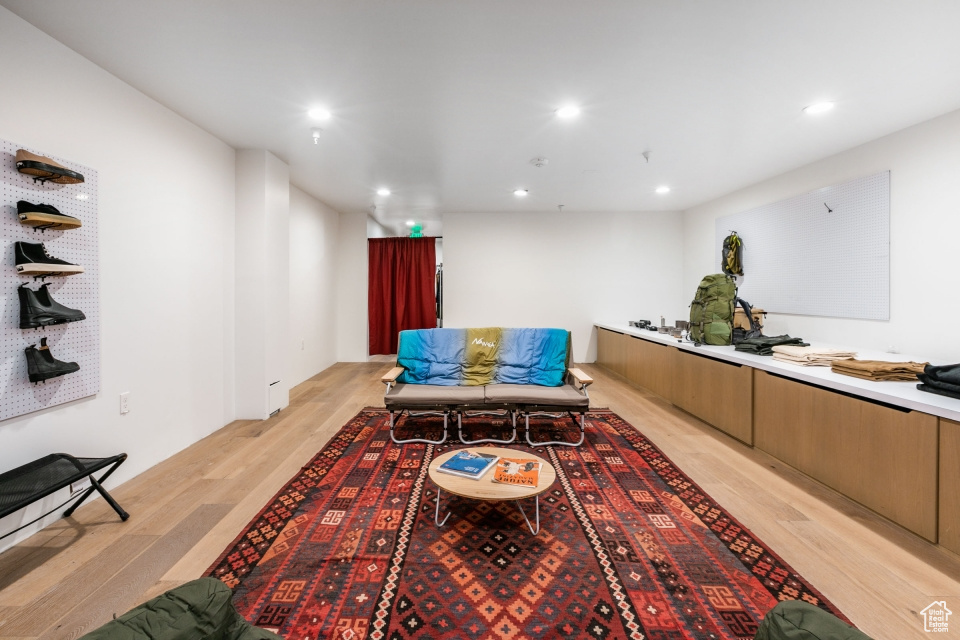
column 436, row 515
column 533, row 530
column 537, row 509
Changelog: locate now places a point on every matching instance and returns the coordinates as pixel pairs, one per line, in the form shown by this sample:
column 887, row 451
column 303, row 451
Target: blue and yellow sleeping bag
column 474, row 357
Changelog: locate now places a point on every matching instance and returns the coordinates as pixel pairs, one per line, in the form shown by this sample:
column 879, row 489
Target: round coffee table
column 486, row 489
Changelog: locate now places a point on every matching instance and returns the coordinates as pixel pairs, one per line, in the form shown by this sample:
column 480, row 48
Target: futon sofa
column 485, row 371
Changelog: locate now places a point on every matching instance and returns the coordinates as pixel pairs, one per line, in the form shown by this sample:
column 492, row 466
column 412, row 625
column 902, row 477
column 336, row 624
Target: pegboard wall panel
column 70, row 342
column 823, row 253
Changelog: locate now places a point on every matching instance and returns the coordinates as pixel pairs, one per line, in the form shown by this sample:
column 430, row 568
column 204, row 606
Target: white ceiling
column 446, row 102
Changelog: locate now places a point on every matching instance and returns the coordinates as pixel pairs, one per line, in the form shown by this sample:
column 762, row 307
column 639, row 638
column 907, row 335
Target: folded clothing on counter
column 810, row 356
column 763, row 346
column 879, row 370
column 943, row 380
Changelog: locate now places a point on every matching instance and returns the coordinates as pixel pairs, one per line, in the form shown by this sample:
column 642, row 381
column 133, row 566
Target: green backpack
column 711, row 312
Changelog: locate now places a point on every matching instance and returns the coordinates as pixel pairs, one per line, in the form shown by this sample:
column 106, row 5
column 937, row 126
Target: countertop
column 901, row 394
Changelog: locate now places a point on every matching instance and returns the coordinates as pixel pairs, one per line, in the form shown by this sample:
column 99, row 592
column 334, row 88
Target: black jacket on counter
column 763, row 346
column 943, row 380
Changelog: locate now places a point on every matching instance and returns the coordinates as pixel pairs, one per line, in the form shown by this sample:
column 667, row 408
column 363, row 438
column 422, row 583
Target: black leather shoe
column 44, row 216
column 44, row 169
column 32, row 259
column 38, row 309
column 41, row 365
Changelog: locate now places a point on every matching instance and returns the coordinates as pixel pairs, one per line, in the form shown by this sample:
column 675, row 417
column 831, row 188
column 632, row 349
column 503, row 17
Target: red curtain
column 401, row 291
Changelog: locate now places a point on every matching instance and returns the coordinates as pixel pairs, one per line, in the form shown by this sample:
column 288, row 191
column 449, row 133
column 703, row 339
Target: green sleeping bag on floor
column 797, row 620
column 198, row 609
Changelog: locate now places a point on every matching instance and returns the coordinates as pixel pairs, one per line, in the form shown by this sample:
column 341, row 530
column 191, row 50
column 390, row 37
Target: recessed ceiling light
column 520, row 193
column 819, row 107
column 663, row 189
column 410, row 223
column 383, row 191
column 319, row 113
column 569, row 111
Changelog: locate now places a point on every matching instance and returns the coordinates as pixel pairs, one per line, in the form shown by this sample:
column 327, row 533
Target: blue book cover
column 468, row 464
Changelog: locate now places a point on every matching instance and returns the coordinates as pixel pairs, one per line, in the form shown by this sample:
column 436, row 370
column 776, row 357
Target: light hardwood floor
column 74, row 575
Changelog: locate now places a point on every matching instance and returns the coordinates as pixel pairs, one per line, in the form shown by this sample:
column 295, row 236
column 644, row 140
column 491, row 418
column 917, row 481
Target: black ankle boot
column 41, row 365
column 38, row 309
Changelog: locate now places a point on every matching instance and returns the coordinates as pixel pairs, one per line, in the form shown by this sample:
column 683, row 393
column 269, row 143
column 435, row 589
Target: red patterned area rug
column 629, row 547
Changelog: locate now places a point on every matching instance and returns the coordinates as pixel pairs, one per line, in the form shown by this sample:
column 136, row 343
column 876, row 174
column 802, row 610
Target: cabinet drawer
column 881, row 456
column 719, row 393
column 950, row 484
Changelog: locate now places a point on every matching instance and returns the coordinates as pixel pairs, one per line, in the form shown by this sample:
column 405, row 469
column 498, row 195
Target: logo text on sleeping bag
column 479, row 341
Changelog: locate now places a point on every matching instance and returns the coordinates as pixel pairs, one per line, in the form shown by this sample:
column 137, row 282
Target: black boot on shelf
column 39, row 309
column 32, row 258
column 41, row 365
column 44, row 216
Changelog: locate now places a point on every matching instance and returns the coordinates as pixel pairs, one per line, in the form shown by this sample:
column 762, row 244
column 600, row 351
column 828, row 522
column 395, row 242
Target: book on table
column 468, row 464
column 522, row 472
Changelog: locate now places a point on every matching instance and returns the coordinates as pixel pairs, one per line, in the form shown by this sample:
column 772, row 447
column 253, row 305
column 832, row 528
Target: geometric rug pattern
column 629, row 547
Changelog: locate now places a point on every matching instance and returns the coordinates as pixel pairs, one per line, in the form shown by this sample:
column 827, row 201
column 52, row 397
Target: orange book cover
column 524, row 472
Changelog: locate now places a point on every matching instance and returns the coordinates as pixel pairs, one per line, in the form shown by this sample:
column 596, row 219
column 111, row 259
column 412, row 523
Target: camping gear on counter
column 943, row 380
column 711, row 312
column 763, row 346
column 879, row 370
column 753, row 328
column 740, row 317
column 732, row 260
column 811, row 356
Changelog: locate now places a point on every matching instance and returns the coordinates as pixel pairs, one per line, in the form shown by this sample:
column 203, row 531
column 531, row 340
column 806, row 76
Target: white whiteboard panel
column 823, row 253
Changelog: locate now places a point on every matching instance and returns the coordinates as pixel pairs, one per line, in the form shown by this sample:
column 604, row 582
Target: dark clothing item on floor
column 763, row 346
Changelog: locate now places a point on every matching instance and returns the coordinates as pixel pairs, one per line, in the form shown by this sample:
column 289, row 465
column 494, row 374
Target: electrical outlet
column 80, row 485
column 124, row 402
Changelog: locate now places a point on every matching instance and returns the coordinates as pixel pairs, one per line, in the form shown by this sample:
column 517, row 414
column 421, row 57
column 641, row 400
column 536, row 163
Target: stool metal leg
column 537, row 508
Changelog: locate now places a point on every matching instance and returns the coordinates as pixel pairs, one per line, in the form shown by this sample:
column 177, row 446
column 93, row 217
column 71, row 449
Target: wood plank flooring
column 74, row 575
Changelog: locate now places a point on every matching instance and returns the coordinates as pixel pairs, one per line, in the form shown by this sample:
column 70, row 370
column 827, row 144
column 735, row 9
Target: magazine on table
column 522, row 472
column 468, row 464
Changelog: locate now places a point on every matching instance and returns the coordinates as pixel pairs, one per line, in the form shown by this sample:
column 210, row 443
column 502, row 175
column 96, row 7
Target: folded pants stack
column 763, row 346
column 879, row 370
column 810, row 356
column 943, row 380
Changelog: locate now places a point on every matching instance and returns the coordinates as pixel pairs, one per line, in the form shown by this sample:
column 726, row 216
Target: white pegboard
column 823, row 253
column 72, row 342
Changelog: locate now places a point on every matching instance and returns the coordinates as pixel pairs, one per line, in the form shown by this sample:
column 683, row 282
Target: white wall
column 353, row 344
column 924, row 164
column 562, row 270
column 263, row 282
column 166, row 258
column 312, row 340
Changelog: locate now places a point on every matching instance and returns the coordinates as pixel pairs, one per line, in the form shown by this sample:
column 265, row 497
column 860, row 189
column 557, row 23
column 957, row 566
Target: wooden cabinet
column 883, row 457
column 950, row 484
column 610, row 350
column 719, row 393
column 652, row 366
